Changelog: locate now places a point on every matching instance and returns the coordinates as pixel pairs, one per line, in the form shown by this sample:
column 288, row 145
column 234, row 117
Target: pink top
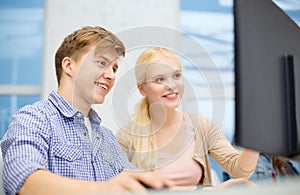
column 208, row 139
column 182, row 170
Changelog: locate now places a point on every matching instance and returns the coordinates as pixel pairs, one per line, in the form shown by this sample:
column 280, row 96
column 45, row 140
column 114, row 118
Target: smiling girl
column 174, row 143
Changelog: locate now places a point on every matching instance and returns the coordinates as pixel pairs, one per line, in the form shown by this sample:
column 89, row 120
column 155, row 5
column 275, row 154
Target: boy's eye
column 103, row 63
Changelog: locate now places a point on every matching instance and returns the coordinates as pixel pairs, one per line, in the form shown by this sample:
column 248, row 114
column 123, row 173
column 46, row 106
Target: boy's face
column 95, row 76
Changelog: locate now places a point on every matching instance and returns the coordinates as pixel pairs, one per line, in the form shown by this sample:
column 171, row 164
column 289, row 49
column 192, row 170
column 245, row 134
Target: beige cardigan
column 209, row 141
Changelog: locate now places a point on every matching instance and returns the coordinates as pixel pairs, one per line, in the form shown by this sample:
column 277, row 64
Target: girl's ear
column 67, row 66
column 141, row 89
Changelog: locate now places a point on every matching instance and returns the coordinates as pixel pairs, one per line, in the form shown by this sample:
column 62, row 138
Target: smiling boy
column 58, row 145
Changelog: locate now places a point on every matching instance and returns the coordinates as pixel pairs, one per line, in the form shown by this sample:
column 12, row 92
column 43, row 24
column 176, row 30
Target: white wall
column 130, row 20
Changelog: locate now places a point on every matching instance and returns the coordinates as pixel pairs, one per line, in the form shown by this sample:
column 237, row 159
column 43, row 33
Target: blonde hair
column 142, row 146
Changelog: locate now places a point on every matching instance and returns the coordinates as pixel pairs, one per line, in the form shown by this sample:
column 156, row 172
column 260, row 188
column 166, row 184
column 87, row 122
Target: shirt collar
column 95, row 119
column 68, row 110
column 61, row 104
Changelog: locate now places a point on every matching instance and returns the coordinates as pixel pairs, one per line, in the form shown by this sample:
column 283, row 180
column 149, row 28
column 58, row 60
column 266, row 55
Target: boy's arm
column 47, row 183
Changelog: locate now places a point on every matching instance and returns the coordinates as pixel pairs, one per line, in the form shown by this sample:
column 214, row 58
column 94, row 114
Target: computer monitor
column 267, row 79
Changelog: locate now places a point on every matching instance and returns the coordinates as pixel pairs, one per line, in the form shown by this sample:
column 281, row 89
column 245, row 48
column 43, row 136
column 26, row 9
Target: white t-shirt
column 88, row 126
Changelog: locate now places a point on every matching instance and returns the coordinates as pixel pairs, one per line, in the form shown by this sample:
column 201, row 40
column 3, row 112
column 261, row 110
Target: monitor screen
column 267, row 79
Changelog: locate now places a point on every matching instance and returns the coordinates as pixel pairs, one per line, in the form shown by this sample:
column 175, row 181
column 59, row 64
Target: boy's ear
column 141, row 89
column 67, row 66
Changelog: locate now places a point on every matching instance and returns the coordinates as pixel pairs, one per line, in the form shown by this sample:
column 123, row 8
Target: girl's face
column 164, row 82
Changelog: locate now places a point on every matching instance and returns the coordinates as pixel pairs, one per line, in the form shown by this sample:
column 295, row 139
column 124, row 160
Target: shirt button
column 69, row 158
column 92, row 161
column 98, row 137
column 85, row 134
column 79, row 114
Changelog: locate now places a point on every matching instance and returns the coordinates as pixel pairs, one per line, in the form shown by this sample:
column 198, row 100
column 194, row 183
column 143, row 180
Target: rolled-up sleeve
column 24, row 148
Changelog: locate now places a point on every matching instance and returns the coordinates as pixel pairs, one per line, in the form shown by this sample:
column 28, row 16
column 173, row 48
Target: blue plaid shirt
column 51, row 135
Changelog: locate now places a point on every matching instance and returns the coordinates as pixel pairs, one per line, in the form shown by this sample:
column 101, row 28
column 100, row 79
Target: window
column 21, row 51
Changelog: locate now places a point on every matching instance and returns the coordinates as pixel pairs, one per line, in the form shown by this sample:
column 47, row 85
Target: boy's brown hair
column 80, row 41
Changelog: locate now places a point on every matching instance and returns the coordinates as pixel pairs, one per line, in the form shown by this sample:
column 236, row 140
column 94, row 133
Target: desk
column 289, row 187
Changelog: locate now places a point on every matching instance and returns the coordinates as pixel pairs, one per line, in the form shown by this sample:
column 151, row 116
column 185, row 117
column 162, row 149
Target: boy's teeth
column 103, row 86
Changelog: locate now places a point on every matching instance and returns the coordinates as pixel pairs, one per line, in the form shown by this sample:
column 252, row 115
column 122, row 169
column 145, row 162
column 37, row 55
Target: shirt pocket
column 67, row 160
column 67, row 152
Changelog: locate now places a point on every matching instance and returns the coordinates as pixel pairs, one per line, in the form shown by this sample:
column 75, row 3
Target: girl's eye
column 160, row 80
column 177, row 75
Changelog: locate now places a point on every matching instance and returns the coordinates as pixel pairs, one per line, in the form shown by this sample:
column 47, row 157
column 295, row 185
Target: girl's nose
column 170, row 83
